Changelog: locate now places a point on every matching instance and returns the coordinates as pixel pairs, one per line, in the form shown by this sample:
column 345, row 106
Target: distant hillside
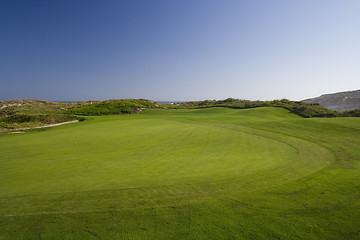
column 341, row 101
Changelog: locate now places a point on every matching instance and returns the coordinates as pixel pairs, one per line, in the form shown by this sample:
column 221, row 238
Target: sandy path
column 45, row 126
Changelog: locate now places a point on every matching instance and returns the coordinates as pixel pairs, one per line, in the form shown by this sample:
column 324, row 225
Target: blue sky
column 178, row 50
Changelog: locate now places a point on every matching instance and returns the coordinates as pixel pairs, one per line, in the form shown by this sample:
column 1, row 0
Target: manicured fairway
column 213, row 173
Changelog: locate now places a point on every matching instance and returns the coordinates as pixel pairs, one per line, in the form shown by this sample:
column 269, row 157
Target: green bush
column 351, row 113
column 18, row 118
column 123, row 106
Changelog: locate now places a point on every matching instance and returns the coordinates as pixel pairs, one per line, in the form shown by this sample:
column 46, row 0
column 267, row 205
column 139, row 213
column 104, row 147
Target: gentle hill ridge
column 25, row 113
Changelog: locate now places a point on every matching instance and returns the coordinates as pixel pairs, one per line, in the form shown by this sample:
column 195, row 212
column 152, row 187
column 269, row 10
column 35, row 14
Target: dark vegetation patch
column 351, row 113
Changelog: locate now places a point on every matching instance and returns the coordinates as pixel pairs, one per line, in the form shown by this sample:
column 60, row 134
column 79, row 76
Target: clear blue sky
column 178, row 50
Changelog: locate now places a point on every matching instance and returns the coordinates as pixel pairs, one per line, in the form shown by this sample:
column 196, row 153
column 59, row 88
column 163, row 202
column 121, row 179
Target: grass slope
column 213, row 173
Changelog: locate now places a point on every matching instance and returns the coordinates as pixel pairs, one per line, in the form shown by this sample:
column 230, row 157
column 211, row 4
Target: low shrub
column 123, row 106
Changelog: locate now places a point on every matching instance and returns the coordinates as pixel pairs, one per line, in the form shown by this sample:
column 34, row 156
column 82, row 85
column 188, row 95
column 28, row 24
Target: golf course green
column 212, row 173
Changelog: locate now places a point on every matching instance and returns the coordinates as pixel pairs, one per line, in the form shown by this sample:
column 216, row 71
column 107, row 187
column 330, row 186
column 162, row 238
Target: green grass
column 214, row 173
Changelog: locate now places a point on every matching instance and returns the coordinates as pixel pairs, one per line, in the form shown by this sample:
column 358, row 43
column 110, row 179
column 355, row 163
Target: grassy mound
column 16, row 114
column 113, row 107
column 302, row 109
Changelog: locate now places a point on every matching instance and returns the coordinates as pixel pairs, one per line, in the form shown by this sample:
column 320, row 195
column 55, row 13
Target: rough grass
column 15, row 114
column 213, row 173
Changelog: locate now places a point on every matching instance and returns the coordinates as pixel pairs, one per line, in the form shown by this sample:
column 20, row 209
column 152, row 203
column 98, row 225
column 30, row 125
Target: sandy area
column 44, row 126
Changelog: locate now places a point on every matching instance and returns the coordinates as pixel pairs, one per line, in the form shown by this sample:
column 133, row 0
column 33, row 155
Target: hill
column 118, row 106
column 302, row 109
column 24, row 113
column 341, row 101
